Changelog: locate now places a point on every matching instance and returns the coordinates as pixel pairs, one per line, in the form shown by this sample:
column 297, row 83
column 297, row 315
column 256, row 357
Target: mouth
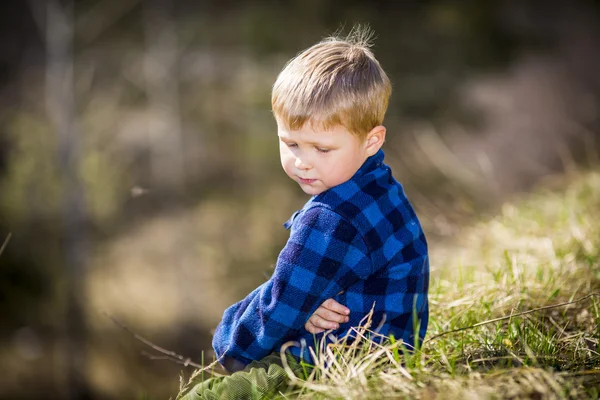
column 306, row 181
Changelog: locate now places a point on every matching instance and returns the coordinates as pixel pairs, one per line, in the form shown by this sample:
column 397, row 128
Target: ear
column 375, row 139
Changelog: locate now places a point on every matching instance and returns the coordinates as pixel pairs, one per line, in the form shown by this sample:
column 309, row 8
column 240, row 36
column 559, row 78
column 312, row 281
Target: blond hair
column 337, row 81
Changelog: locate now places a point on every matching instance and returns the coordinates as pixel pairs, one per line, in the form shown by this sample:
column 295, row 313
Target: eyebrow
column 307, row 142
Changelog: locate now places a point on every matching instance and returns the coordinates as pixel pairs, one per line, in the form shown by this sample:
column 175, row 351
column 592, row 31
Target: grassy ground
column 541, row 251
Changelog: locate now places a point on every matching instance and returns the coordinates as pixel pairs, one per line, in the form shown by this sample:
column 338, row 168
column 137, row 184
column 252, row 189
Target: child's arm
column 324, row 255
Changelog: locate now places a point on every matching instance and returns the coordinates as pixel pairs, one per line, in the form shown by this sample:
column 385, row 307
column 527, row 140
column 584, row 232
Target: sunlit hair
column 337, row 81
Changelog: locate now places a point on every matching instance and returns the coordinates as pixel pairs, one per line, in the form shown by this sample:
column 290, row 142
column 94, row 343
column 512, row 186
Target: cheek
column 283, row 153
column 286, row 158
column 342, row 168
column 330, row 170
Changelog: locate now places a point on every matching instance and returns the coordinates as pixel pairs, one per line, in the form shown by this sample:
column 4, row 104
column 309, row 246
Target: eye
column 322, row 150
column 291, row 145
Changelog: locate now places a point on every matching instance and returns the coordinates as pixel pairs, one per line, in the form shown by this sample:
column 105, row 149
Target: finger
column 333, row 305
column 312, row 328
column 322, row 323
column 309, row 326
column 330, row 316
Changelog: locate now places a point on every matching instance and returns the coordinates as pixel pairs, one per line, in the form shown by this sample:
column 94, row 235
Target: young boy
column 356, row 243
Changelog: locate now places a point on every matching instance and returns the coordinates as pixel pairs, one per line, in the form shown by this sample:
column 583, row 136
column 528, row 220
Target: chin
column 312, row 191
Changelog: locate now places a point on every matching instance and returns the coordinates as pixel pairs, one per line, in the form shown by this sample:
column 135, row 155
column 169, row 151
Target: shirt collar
column 371, row 163
column 288, row 223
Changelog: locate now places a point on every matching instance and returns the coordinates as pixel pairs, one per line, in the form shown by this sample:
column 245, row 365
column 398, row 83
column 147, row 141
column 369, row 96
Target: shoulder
column 375, row 203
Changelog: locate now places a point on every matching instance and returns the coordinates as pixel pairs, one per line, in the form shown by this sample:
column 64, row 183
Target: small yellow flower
column 507, row 343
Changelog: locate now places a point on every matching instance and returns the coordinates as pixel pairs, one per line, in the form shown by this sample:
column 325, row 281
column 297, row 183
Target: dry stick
column 5, row 243
column 512, row 316
column 169, row 358
column 171, row 355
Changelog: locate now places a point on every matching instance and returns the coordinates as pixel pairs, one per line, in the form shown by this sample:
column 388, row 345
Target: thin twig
column 171, row 355
column 5, row 243
column 167, row 358
column 491, row 321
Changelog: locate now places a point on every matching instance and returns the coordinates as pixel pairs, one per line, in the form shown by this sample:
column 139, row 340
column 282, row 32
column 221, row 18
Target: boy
column 357, row 242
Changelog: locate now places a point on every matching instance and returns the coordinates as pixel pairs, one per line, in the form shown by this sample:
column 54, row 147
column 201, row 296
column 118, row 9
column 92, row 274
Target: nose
column 301, row 163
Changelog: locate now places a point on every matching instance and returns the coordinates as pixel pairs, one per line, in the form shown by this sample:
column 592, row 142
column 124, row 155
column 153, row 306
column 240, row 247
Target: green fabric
column 259, row 380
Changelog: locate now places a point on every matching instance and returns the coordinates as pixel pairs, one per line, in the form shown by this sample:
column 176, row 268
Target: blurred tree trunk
column 161, row 73
column 60, row 104
column 161, row 63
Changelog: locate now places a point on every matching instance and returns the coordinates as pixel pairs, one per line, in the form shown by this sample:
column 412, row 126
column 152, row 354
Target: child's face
column 321, row 159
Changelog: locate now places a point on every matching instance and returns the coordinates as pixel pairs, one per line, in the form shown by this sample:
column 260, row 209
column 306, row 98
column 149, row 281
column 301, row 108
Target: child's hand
column 328, row 316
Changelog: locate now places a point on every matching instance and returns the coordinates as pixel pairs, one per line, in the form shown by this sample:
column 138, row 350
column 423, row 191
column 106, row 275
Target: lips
column 306, row 181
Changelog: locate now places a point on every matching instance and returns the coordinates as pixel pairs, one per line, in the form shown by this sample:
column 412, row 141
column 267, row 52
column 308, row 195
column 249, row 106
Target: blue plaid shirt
column 361, row 238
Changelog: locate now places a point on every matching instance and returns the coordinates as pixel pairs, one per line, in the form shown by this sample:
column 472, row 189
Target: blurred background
column 139, row 167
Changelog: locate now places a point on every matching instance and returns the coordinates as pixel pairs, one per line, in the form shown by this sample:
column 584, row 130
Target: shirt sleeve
column 324, row 255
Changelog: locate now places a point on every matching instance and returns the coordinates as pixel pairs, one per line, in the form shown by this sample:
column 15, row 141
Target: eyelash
column 320, row 150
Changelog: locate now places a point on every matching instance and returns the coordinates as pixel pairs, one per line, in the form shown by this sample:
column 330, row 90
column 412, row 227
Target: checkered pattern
column 361, row 237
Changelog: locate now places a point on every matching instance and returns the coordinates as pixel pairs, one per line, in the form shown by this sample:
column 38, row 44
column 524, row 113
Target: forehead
column 308, row 133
